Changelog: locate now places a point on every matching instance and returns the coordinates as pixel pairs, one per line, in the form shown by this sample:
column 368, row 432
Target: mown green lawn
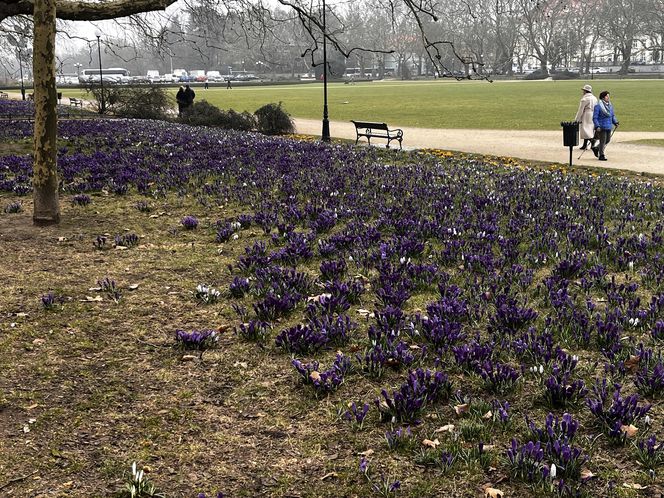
column 519, row 105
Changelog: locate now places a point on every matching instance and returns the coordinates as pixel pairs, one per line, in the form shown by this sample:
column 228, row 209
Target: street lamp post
column 78, row 65
column 326, row 122
column 102, row 108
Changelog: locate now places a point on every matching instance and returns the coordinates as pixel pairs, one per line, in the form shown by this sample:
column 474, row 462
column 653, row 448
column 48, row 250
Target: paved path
column 533, row 145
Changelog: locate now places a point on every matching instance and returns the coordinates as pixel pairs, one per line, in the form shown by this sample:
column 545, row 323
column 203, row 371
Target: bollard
column 570, row 136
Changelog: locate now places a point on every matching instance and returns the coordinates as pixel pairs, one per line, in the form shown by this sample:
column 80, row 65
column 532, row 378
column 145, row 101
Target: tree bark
column 45, row 173
column 74, row 10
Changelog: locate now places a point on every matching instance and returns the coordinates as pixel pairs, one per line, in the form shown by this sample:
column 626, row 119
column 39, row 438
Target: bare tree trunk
column 45, row 174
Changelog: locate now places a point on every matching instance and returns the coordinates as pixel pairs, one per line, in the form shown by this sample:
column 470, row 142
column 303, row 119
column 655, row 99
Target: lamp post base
column 325, row 137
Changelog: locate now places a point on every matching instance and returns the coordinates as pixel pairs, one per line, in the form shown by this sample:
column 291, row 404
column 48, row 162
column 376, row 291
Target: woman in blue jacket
column 603, row 119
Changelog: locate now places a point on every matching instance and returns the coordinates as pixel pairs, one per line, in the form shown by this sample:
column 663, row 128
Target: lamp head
column 98, row 34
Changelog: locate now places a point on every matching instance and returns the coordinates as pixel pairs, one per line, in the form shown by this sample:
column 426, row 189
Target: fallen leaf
column 586, row 474
column 488, row 415
column 121, row 248
column 38, row 342
column 62, row 239
column 634, row 486
column 632, row 364
column 89, row 299
column 133, row 286
column 445, row 428
column 461, row 409
column 367, row 453
column 364, row 312
column 240, row 364
column 329, row 475
column 21, row 315
column 32, row 421
column 188, row 357
column 629, row 430
column 314, row 376
column 94, row 289
column 317, row 298
column 224, row 328
column 67, row 484
column 26, row 429
column 430, row 443
column 493, row 493
column 32, row 407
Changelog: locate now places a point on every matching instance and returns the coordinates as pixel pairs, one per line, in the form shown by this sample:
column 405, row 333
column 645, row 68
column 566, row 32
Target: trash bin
column 570, row 133
column 570, row 136
column 59, row 96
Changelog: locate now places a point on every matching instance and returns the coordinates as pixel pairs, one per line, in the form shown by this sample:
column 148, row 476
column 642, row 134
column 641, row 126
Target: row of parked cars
column 200, row 76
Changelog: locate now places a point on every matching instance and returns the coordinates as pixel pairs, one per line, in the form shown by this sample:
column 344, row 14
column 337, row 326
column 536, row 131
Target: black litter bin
column 570, row 133
column 59, row 96
column 570, row 136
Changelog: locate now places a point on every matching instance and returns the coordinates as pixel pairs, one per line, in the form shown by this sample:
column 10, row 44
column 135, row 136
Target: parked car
column 170, row 78
column 214, row 76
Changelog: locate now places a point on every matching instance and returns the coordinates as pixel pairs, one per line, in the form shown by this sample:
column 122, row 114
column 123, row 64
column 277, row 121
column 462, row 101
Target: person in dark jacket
column 189, row 96
column 179, row 97
column 604, row 119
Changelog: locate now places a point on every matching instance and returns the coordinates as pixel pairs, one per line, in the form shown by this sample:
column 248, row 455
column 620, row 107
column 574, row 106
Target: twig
column 17, row 479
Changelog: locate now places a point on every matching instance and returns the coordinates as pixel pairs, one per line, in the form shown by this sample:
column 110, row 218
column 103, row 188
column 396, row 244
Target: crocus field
column 243, row 315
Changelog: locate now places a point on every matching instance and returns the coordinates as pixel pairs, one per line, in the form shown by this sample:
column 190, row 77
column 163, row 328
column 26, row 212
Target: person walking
column 228, row 83
column 189, row 96
column 584, row 116
column 180, row 98
column 604, row 118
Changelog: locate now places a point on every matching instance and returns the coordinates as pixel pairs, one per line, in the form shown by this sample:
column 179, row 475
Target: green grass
column 655, row 142
column 508, row 105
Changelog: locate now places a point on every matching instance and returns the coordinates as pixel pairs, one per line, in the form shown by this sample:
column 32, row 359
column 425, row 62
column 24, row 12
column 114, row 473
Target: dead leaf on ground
column 89, row 299
column 367, row 453
column 586, row 474
column 635, row 485
column 461, row 409
column 445, row 428
column 493, row 493
column 314, row 376
column 430, row 443
column 632, row 364
column 316, row 299
column 488, row 415
column 329, row 475
column 629, row 430
column 188, row 357
column 133, row 286
column 38, row 342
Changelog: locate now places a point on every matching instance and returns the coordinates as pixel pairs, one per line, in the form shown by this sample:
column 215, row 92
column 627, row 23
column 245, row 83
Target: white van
column 214, row 76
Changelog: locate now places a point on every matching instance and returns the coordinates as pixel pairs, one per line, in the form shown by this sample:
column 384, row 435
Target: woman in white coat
column 585, row 117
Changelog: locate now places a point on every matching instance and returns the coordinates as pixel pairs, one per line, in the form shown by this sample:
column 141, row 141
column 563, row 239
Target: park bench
column 4, row 95
column 74, row 102
column 376, row 130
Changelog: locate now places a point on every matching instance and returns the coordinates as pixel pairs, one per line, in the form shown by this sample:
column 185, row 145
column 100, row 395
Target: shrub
column 134, row 102
column 205, row 114
column 536, row 75
column 143, row 102
column 271, row 119
column 564, row 75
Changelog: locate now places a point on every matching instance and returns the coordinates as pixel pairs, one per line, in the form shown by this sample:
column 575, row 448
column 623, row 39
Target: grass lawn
column 510, row 105
column 654, row 142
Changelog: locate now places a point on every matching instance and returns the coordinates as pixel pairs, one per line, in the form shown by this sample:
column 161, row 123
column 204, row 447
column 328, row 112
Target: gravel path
column 532, row 144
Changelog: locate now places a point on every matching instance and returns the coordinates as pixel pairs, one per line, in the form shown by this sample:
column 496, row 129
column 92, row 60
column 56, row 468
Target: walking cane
column 584, row 150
